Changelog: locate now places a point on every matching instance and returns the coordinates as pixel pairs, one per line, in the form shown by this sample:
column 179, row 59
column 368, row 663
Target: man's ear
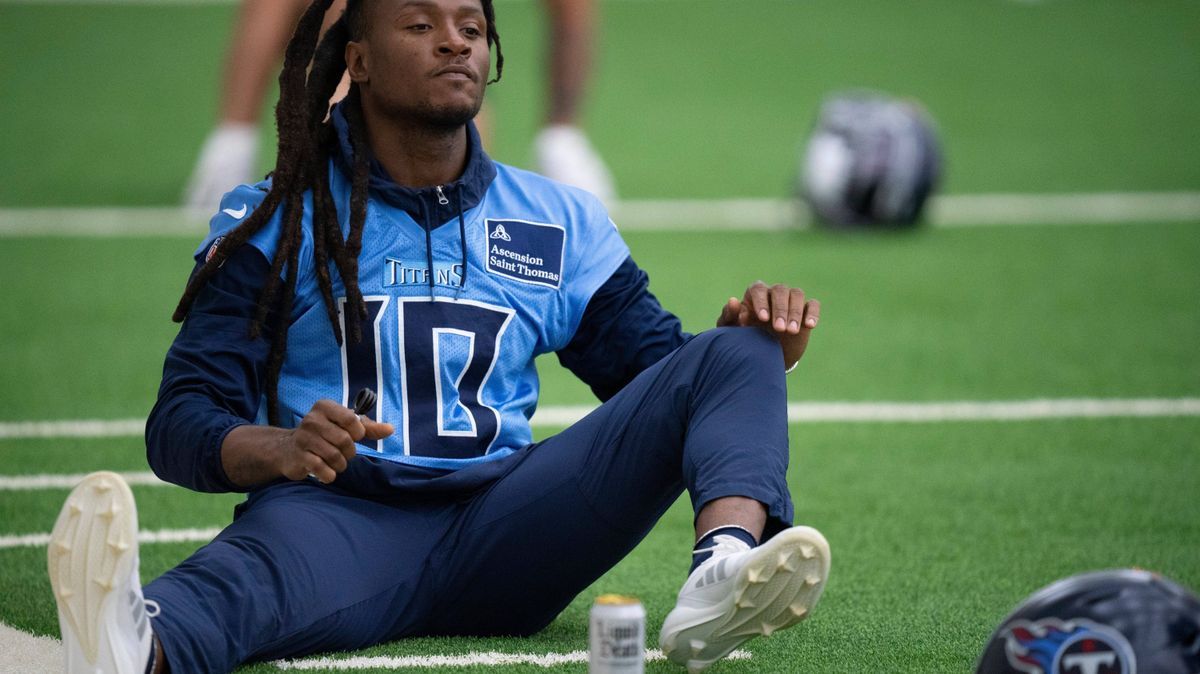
column 356, row 62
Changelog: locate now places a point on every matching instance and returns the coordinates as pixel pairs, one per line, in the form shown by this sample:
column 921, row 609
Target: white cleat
column 741, row 592
column 564, row 154
column 228, row 159
column 93, row 565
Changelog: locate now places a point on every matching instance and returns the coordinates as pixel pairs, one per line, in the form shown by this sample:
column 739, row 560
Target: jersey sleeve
column 623, row 331
column 594, row 251
column 236, row 206
column 212, row 377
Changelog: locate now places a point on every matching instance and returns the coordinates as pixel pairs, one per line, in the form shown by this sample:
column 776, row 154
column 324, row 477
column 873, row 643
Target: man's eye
column 472, row 31
column 420, row 27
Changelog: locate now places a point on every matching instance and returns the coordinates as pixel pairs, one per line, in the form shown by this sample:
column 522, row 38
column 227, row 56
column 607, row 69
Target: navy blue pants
column 306, row 567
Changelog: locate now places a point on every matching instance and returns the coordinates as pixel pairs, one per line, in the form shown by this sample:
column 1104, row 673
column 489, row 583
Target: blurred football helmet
column 870, row 161
column 1105, row 622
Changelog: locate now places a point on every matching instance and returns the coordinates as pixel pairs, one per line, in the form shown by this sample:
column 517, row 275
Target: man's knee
column 739, row 348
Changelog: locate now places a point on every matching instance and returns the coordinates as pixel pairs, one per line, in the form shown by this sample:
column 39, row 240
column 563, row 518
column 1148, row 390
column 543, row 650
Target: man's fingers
column 375, row 430
column 314, row 466
column 743, row 318
column 330, row 454
column 342, row 438
column 779, row 307
column 795, row 346
column 757, row 298
column 812, row 314
column 729, row 313
column 795, row 312
column 338, row 414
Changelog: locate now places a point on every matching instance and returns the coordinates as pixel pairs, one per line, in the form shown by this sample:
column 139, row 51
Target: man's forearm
column 251, row 454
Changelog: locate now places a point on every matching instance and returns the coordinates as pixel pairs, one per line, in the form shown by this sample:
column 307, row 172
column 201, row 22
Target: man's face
column 422, row 60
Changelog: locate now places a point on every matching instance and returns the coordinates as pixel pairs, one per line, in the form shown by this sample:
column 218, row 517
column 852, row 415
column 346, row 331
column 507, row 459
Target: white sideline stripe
column 834, row 412
column 58, row 481
column 161, row 536
column 25, row 652
column 465, row 660
column 955, row 210
column 80, row 428
column 1064, row 209
column 1016, row 410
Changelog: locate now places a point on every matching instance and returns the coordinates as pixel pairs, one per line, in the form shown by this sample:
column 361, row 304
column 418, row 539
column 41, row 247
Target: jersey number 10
column 445, row 353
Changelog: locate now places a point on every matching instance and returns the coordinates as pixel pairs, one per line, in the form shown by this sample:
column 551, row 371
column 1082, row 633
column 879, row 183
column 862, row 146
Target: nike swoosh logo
column 238, row 214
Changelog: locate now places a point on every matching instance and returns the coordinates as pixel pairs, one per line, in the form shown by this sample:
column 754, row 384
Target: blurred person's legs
column 562, row 150
column 230, row 153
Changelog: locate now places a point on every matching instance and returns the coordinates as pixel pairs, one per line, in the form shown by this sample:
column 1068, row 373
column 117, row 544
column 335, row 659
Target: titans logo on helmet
column 1052, row 646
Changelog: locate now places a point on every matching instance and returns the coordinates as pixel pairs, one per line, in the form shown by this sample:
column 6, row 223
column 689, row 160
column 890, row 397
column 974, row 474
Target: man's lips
column 455, row 71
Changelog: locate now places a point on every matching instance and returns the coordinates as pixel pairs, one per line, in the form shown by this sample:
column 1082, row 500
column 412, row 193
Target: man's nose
column 454, row 42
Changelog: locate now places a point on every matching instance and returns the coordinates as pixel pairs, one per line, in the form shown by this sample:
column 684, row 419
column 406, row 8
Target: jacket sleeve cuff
column 210, row 459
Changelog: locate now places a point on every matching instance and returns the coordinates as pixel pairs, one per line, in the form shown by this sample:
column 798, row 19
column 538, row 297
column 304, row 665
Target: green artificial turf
column 937, row 529
column 993, row 313
column 109, row 103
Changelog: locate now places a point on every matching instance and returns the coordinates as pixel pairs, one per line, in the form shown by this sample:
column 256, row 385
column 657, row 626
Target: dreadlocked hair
column 313, row 67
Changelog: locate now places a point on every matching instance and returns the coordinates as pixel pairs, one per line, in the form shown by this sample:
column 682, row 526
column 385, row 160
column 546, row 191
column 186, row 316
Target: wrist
column 253, row 455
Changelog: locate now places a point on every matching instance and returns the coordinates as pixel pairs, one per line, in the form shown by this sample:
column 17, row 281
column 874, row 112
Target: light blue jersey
column 453, row 366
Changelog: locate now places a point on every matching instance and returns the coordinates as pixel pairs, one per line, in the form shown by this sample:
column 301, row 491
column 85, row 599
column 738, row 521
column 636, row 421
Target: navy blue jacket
column 214, row 374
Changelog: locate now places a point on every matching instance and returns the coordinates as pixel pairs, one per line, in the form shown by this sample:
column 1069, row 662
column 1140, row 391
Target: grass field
column 937, row 528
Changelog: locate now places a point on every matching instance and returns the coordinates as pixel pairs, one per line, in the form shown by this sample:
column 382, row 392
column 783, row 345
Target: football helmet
column 870, row 161
column 1104, row 622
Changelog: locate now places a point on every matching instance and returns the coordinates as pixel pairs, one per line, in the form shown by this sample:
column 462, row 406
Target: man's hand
column 321, row 446
column 783, row 312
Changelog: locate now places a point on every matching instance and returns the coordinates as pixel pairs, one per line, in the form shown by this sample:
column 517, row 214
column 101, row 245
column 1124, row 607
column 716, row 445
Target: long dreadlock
column 311, row 73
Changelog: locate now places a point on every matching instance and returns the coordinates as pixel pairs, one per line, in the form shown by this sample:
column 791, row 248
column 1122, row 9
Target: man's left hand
column 783, row 312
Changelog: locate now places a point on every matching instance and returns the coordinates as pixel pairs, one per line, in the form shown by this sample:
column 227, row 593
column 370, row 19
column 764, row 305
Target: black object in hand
column 364, row 401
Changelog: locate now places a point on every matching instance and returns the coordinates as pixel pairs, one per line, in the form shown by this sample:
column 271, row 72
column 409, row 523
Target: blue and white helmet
column 1105, row 622
column 870, row 161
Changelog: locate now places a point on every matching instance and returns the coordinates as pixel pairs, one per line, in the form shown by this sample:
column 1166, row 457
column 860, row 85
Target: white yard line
column 162, row 536
column 494, row 659
column 955, row 210
column 24, row 652
column 68, row 481
column 555, row 416
column 996, row 410
column 966, row 210
column 77, row 428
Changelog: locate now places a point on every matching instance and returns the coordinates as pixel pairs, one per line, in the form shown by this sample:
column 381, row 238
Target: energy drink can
column 617, row 635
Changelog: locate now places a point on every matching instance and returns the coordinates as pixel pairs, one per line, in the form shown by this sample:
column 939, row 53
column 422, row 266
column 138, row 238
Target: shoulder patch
column 530, row 252
column 212, row 250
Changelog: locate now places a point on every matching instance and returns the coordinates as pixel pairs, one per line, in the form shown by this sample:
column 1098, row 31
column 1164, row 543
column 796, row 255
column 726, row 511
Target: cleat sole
column 775, row 589
column 88, row 554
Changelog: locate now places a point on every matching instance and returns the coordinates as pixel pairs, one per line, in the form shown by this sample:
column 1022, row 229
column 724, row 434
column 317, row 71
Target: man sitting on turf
column 388, row 252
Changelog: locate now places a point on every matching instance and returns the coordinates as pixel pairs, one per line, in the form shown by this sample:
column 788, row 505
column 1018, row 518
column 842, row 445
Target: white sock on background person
column 564, row 153
column 227, row 159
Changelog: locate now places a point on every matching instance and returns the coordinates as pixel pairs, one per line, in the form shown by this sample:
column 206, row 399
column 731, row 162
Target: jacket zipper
column 441, row 196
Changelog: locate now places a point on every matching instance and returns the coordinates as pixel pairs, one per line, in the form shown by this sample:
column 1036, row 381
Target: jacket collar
column 470, row 186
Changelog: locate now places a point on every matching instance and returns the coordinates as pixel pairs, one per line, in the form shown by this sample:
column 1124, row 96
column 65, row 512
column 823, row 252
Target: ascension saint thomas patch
column 530, row 252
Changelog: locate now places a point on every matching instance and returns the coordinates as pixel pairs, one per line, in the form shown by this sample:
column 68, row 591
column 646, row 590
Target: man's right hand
column 321, row 446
